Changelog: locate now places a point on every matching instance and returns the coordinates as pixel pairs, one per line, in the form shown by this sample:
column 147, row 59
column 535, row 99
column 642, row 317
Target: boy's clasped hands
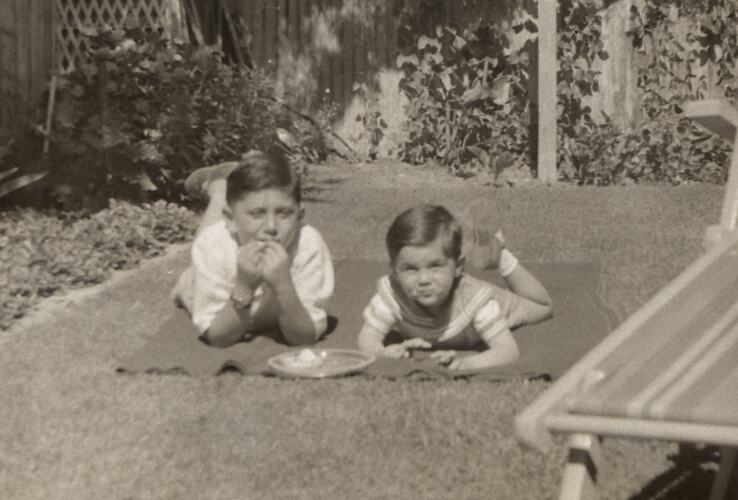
column 261, row 261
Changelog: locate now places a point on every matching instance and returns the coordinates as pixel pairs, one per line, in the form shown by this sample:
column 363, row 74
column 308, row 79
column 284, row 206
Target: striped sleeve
column 380, row 315
column 489, row 321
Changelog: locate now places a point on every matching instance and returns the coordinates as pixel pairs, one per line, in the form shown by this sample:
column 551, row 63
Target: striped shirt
column 473, row 314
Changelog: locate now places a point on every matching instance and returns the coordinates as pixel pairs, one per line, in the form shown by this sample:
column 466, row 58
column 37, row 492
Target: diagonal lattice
column 72, row 17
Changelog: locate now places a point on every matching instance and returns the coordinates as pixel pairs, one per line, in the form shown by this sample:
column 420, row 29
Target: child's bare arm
column 370, row 340
column 502, row 350
column 228, row 326
column 295, row 323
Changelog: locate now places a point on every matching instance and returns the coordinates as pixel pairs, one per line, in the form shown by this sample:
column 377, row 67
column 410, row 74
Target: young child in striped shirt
column 433, row 304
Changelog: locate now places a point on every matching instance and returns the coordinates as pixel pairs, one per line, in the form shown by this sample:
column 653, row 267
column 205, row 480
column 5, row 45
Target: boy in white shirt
column 255, row 266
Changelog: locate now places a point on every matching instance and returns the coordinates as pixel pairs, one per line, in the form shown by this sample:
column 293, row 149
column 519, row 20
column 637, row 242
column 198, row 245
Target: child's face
column 268, row 214
column 426, row 274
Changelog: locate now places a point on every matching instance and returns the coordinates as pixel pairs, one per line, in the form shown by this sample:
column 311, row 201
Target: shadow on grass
column 315, row 194
column 314, row 189
column 689, row 478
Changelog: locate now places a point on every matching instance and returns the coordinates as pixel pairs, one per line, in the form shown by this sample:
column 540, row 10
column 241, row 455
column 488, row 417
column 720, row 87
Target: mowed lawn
column 71, row 427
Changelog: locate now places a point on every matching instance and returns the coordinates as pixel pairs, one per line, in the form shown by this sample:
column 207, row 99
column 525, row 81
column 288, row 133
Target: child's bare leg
column 216, row 203
column 183, row 292
column 211, row 180
column 198, row 182
column 483, row 241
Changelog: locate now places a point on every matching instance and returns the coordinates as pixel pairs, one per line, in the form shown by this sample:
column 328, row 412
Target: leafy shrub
column 43, row 254
column 663, row 146
column 469, row 104
column 673, row 41
column 311, row 143
column 143, row 112
column 468, row 99
column 371, row 119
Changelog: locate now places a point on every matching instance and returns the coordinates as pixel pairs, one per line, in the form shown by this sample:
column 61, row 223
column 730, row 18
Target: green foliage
column 311, row 136
column 468, row 99
column 371, row 118
column 43, row 254
column 579, row 47
column 143, row 112
column 469, row 105
column 678, row 44
column 687, row 50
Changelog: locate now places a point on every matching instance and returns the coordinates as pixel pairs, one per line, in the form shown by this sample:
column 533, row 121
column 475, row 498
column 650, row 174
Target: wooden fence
column 38, row 37
column 26, row 54
column 72, row 16
column 322, row 48
column 317, row 49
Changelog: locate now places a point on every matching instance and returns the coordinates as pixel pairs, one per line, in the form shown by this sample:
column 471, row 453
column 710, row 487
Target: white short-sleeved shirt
column 214, row 256
column 474, row 314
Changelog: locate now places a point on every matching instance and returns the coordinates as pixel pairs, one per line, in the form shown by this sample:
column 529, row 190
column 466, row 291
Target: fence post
column 547, row 65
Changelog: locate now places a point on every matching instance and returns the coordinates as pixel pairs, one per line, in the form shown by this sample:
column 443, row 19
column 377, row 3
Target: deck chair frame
column 549, row 412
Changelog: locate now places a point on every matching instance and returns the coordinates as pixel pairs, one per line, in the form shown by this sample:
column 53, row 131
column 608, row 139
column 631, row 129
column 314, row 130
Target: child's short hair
column 422, row 225
column 259, row 170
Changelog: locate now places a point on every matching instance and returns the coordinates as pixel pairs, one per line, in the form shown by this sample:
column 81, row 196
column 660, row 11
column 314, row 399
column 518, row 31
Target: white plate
column 330, row 363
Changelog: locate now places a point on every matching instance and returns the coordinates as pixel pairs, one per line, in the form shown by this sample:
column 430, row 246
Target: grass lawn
column 70, row 427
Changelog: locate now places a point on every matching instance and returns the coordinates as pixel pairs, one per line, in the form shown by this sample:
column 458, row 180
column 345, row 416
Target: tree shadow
column 689, row 478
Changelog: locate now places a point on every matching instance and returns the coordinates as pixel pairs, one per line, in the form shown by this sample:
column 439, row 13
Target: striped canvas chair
column 670, row 371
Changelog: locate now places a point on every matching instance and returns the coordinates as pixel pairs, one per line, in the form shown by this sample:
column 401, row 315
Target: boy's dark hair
column 422, row 225
column 262, row 170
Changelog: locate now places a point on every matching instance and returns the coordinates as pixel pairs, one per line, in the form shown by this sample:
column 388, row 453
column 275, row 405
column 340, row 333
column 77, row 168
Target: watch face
column 240, row 302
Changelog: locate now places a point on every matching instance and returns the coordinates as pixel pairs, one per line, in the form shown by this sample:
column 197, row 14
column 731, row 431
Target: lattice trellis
column 71, row 17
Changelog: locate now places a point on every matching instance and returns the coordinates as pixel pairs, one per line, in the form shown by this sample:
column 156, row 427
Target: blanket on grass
column 581, row 320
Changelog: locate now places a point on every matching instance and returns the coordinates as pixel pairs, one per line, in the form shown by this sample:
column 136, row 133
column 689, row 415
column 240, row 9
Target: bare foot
column 483, row 241
column 198, row 181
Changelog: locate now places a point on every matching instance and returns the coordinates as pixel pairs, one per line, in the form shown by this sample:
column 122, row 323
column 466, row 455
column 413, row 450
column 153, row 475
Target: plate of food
column 321, row 363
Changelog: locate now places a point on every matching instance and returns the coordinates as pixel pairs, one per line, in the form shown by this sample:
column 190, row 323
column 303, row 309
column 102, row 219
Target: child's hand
column 249, row 264
column 402, row 350
column 275, row 264
column 416, row 344
column 444, row 357
column 465, row 363
column 396, row 351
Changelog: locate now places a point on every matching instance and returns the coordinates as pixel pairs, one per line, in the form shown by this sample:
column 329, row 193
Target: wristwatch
column 242, row 301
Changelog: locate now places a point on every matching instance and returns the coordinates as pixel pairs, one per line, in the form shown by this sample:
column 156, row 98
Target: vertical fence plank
column 7, row 61
column 337, row 76
column 348, row 58
column 256, row 22
column 310, row 79
column 391, row 30
column 317, row 15
column 270, row 31
column 22, row 59
column 547, row 65
column 40, row 51
column 293, row 27
column 332, row 61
